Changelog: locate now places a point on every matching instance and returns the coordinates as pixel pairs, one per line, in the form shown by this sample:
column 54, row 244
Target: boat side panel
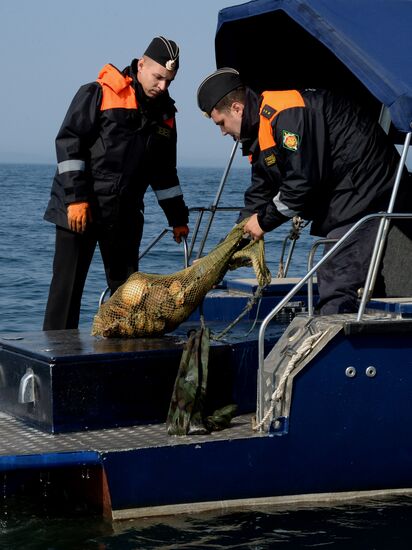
column 346, row 434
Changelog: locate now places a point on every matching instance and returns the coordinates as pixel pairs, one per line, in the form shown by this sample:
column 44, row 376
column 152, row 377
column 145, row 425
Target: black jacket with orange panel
column 112, row 145
column 315, row 155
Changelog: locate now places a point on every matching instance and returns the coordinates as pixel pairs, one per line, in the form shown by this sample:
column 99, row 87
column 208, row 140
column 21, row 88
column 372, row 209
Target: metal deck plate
column 19, row 439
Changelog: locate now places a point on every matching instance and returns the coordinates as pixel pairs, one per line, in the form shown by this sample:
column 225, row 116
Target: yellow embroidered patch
column 270, row 160
column 267, row 111
column 163, row 131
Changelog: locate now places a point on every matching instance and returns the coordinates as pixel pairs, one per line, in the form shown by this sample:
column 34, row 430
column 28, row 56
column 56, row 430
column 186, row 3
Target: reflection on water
column 376, row 524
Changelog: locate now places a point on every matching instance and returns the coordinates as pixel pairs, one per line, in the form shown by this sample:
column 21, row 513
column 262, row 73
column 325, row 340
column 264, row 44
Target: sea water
column 26, row 255
column 27, row 241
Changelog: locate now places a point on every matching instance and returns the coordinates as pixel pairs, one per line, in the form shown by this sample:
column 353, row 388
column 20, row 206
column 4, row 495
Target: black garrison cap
column 215, row 86
column 165, row 52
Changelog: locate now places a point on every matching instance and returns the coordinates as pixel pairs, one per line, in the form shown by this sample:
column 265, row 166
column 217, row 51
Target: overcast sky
column 49, row 48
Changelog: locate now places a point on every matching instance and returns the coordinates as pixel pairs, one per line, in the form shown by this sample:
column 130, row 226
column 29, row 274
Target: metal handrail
column 289, row 256
column 298, row 286
column 202, row 210
column 372, row 271
column 158, row 238
column 188, row 249
column 212, row 209
column 216, row 201
column 383, row 231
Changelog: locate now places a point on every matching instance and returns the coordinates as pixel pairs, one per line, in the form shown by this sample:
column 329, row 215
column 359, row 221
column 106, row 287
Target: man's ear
column 237, row 107
column 140, row 63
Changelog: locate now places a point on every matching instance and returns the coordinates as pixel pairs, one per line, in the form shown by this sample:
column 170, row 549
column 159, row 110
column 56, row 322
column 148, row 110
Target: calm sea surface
column 26, row 252
column 27, row 241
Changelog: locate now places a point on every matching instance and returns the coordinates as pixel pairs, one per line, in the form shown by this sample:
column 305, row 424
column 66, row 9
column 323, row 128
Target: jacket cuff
column 177, row 216
column 270, row 218
column 79, row 192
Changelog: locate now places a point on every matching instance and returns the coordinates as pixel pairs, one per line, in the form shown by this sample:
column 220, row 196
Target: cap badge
column 170, row 65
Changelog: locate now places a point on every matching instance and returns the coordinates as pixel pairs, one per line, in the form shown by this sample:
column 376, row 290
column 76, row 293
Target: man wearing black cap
column 118, row 137
column 314, row 155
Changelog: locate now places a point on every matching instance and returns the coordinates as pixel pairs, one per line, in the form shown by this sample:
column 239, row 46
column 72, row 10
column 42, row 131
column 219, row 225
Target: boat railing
column 158, row 238
column 292, row 236
column 212, row 209
column 189, row 249
column 377, row 254
column 385, row 217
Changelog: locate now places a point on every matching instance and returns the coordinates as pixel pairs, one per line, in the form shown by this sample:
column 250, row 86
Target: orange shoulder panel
column 122, row 99
column 277, row 101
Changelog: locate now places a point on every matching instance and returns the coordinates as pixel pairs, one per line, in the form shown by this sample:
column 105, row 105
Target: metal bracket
column 27, row 387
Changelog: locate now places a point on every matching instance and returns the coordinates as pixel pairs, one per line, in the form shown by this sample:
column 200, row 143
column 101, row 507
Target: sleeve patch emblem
column 270, row 160
column 290, row 140
column 267, row 111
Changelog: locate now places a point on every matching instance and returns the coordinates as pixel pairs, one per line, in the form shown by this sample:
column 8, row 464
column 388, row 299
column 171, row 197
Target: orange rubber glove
column 179, row 232
column 79, row 215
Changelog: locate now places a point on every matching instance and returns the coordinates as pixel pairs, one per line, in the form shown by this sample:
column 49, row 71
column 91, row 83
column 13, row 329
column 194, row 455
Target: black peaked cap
column 165, row 52
column 215, row 86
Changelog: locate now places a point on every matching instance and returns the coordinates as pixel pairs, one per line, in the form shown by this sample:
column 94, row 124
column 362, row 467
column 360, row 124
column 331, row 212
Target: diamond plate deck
column 18, row 439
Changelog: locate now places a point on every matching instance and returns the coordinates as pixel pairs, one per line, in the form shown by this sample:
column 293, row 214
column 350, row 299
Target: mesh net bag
column 152, row 305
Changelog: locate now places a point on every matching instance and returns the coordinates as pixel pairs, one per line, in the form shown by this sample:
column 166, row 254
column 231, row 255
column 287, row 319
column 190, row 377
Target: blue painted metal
column 49, row 460
column 339, row 34
column 84, row 383
column 345, row 434
column 279, row 287
column 403, row 309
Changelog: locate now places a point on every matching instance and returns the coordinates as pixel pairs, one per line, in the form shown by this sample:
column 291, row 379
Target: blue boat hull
column 346, row 433
column 343, row 435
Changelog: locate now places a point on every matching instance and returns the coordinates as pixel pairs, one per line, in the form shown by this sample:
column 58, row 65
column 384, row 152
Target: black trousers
column 119, row 248
column 345, row 272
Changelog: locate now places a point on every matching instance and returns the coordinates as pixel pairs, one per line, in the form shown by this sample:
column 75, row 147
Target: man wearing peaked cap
column 215, row 87
column 158, row 66
column 165, row 52
column 317, row 156
column 117, row 138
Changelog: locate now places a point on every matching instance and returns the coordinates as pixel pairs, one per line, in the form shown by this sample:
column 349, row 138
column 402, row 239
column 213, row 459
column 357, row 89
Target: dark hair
column 239, row 94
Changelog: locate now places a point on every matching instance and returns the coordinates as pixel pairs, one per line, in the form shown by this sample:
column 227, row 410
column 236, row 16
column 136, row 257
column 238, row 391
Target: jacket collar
column 112, row 77
column 250, row 122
